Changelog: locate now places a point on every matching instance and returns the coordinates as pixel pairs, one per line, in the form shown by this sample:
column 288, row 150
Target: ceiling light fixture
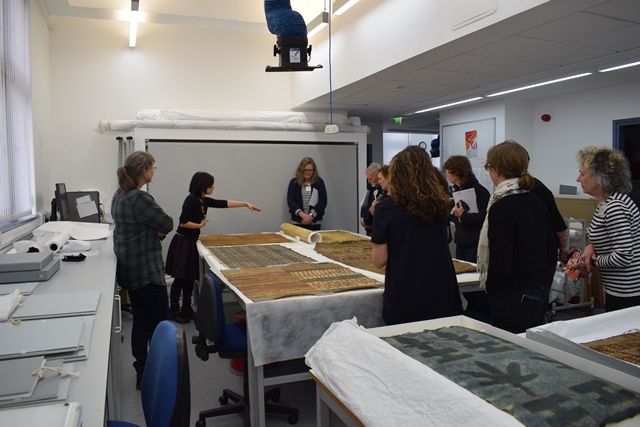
column 539, row 84
column 317, row 24
column 439, row 107
column 133, row 22
column 341, row 6
column 618, row 67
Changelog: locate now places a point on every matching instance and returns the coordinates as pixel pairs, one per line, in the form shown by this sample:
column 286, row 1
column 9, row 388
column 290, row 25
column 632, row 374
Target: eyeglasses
column 308, row 170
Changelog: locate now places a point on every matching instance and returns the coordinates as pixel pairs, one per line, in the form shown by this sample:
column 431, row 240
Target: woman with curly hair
column 410, row 238
column 516, row 244
column 614, row 232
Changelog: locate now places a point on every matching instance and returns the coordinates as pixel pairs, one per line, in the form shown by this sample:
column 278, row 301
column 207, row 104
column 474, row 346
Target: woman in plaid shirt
column 140, row 225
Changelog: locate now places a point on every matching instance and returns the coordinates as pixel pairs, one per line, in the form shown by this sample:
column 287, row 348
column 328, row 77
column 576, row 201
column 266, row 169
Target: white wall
column 382, row 33
column 577, row 121
column 95, row 75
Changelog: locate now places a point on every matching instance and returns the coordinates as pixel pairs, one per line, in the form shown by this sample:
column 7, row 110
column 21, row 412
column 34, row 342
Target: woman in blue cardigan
column 307, row 196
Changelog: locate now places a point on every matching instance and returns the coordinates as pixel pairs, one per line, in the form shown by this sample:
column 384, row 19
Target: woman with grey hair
column 614, row 233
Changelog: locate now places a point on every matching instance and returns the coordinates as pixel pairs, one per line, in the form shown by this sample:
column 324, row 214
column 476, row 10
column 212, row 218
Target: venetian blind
column 16, row 134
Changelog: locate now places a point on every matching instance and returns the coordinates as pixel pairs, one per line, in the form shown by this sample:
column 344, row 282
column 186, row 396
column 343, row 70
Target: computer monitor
column 62, row 205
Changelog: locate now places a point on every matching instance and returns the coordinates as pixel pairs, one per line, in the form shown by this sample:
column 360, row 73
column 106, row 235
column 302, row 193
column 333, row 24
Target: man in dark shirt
column 557, row 221
column 373, row 187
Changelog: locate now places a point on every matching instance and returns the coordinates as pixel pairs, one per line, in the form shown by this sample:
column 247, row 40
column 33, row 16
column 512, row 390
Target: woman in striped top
column 614, row 233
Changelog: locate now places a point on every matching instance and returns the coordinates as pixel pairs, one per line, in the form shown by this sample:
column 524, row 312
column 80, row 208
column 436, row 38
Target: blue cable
column 330, row 80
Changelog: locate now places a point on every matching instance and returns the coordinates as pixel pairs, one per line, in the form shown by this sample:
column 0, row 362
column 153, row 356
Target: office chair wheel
column 292, row 419
column 223, row 400
column 201, row 423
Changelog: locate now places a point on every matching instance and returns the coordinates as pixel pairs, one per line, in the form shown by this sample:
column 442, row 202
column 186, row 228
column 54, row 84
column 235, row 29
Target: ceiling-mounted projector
column 294, row 54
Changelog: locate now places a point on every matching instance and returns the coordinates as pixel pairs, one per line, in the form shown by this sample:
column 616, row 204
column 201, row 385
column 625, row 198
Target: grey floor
column 210, row 377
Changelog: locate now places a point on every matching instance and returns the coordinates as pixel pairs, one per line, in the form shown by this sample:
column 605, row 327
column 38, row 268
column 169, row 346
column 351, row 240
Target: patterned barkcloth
column 358, row 254
column 624, row 347
column 534, row 389
column 269, row 283
column 242, row 239
column 256, row 255
column 341, row 236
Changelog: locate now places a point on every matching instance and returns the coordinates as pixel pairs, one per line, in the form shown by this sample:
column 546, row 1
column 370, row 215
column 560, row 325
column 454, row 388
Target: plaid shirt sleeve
column 137, row 217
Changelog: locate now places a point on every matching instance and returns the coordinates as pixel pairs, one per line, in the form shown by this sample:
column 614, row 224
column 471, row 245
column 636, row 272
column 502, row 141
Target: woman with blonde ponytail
column 516, row 243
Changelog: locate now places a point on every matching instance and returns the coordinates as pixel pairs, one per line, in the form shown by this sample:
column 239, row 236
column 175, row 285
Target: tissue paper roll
column 304, row 234
column 57, row 242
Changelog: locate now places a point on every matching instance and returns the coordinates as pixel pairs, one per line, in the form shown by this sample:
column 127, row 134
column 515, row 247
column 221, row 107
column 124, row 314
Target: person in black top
column 373, row 188
column 468, row 225
column 182, row 258
column 383, row 182
column 558, row 224
column 409, row 236
column 516, row 244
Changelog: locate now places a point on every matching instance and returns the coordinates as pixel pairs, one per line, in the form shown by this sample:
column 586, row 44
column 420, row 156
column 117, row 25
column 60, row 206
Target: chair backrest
column 210, row 321
column 166, row 392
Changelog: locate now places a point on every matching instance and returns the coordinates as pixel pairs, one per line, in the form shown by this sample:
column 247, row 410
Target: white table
column 97, row 389
column 285, row 329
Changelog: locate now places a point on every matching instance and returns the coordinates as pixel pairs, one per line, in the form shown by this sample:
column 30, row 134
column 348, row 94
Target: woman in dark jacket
column 468, row 224
column 467, row 227
column 307, row 196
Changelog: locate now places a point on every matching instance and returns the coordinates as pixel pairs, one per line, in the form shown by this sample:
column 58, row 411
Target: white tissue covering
column 8, row 304
column 384, row 387
column 232, row 120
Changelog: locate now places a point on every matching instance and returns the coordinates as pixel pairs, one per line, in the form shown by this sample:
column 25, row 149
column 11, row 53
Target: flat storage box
column 568, row 335
column 31, row 275
column 25, row 261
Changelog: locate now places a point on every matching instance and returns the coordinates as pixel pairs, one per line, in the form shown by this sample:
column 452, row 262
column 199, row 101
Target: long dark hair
column 200, row 181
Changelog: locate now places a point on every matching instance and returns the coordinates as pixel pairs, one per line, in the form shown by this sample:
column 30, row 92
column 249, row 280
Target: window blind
column 17, row 187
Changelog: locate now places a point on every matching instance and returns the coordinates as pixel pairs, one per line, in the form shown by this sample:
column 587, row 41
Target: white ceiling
column 594, row 37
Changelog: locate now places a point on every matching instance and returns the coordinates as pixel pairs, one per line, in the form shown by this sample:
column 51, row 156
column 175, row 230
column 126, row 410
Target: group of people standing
column 515, row 236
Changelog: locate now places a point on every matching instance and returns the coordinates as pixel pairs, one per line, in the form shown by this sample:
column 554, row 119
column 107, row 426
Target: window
column 17, row 188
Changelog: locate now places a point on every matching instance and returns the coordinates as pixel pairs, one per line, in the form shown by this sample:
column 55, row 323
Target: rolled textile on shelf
column 301, row 233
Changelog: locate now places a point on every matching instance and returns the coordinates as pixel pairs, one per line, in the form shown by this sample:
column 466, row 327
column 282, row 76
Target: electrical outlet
column 331, row 129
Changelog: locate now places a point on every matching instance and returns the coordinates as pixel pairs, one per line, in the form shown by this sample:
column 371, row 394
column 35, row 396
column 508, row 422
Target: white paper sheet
column 469, row 197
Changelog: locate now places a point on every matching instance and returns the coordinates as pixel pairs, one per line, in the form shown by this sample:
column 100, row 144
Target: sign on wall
column 471, row 139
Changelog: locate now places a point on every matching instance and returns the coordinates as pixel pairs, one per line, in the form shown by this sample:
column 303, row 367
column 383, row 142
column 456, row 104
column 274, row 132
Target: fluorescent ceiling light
column 540, row 84
column 618, row 67
column 133, row 29
column 448, row 105
column 317, row 24
column 341, row 6
column 133, row 22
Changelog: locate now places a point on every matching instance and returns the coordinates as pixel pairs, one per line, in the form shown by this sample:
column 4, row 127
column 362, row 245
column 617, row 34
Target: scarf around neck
column 505, row 188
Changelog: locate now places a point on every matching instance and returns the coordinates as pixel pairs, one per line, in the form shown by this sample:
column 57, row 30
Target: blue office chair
column 166, row 391
column 230, row 342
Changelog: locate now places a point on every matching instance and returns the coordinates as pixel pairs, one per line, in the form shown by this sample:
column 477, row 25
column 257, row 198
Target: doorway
column 626, row 138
